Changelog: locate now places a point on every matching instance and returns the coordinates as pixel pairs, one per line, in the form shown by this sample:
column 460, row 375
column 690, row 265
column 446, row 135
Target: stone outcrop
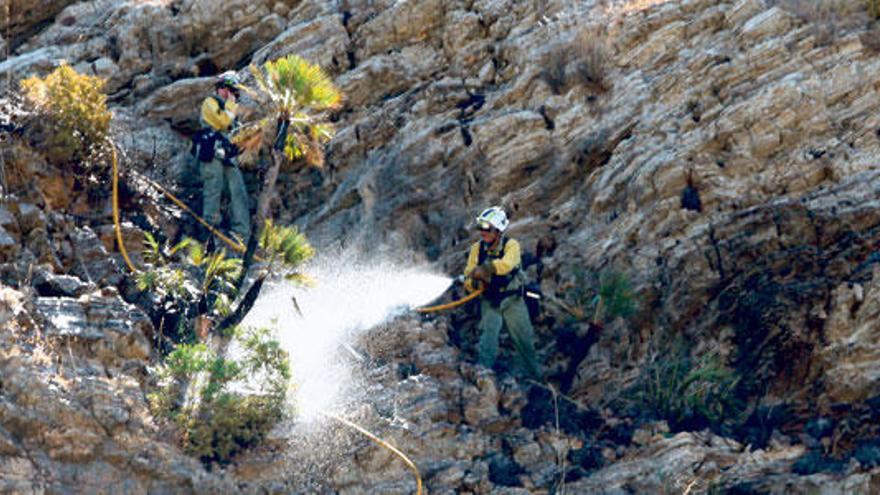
column 73, row 415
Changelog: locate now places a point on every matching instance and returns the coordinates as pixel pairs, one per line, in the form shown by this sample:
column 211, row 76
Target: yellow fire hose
column 453, row 304
column 122, row 249
column 235, row 245
column 394, row 450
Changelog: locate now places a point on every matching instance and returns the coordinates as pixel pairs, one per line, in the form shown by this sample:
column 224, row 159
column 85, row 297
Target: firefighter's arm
column 218, row 119
column 473, row 256
column 509, row 261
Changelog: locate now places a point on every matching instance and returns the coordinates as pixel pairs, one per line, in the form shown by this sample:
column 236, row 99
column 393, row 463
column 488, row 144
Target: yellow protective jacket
column 215, row 117
column 506, row 259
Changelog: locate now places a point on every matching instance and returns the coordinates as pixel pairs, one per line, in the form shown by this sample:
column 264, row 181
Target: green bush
column 186, row 281
column 688, row 392
column 600, row 298
column 223, row 405
column 74, row 119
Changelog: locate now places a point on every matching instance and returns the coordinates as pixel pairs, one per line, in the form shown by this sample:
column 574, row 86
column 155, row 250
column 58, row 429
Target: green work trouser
column 513, row 312
column 215, row 176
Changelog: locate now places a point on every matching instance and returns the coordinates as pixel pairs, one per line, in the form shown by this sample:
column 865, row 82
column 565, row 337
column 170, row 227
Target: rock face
column 73, row 417
column 722, row 154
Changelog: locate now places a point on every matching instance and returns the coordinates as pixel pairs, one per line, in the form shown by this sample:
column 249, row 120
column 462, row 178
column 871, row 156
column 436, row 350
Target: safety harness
column 206, row 140
column 501, row 287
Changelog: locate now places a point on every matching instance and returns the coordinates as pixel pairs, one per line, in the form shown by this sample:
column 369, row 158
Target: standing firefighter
column 495, row 264
column 216, row 155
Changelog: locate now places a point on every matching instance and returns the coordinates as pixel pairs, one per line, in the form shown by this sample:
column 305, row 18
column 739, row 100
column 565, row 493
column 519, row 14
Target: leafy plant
column 284, row 250
column 688, row 392
column 233, row 403
column 607, row 296
column 75, row 119
column 185, row 287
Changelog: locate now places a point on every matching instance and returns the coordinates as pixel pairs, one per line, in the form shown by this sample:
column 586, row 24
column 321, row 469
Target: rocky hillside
column 722, row 155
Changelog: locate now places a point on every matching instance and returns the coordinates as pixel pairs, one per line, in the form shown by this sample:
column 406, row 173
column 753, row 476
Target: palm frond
column 302, row 279
column 293, row 80
column 322, row 132
column 179, row 246
column 287, row 243
column 152, row 253
column 196, row 253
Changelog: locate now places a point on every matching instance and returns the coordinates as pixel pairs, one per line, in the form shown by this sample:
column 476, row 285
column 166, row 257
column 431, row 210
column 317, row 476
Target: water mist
column 349, row 299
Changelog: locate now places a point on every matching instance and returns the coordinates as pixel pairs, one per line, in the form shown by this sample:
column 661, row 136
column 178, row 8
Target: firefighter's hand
column 472, row 285
column 481, row 273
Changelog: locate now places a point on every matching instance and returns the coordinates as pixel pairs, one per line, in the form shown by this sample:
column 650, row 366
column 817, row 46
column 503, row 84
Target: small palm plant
column 284, row 250
column 294, row 96
column 607, row 295
column 613, row 299
column 188, row 288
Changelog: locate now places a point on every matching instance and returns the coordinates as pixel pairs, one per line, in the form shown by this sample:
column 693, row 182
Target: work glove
column 472, row 285
column 483, row 272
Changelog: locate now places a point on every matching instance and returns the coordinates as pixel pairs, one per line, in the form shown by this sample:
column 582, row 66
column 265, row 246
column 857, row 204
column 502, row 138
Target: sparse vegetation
column 223, row 405
column 553, row 70
column 591, row 65
column 186, row 287
column 584, row 62
column 72, row 120
column 827, row 17
column 688, row 392
column 599, row 298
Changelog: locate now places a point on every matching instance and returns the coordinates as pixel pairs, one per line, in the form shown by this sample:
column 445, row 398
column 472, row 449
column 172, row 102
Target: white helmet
column 228, row 79
column 493, row 217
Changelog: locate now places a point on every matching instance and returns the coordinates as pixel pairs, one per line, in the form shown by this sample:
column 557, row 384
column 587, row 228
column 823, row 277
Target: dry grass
column 584, row 62
column 553, row 70
column 591, row 64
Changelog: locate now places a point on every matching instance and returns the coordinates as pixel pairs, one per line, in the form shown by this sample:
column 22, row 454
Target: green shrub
column 75, row 120
column 223, row 405
column 186, row 281
column 600, row 298
column 688, row 392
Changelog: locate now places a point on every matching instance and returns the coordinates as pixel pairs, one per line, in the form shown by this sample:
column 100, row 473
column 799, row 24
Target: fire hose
column 236, row 246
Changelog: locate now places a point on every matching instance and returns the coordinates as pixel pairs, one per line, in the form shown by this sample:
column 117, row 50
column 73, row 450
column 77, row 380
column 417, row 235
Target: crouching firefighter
column 495, row 264
column 216, row 155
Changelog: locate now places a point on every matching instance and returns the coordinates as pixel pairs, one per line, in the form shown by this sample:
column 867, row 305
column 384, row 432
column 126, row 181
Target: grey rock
column 109, row 328
column 49, row 284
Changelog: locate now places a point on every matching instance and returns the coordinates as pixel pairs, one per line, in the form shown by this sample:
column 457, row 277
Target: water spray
column 350, row 298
